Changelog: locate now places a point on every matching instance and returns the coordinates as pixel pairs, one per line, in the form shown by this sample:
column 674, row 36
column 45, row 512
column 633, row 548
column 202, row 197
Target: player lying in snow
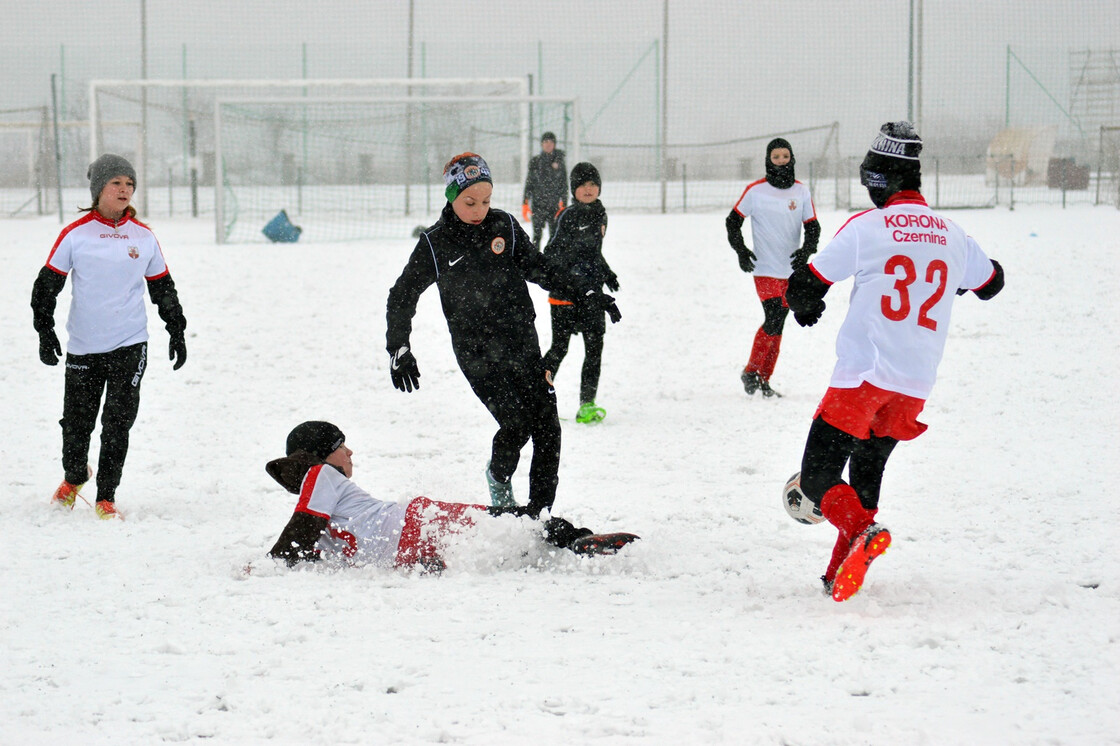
column 335, row 517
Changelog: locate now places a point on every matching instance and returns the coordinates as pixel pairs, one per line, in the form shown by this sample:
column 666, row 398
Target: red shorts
column 427, row 524
column 771, row 287
column 869, row 410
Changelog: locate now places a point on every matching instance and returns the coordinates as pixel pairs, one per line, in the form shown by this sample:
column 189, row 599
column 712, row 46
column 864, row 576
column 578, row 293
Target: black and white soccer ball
column 799, row 507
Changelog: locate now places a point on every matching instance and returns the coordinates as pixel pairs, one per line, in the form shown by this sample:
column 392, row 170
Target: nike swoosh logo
column 584, row 227
column 454, row 261
column 552, row 391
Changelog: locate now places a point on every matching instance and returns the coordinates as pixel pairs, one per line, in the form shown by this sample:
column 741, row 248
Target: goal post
column 347, row 168
column 1108, row 166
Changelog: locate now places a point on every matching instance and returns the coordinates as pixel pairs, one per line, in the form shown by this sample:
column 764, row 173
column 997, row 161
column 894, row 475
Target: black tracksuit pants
column 541, row 218
column 118, row 373
column 828, row 449
column 591, row 322
column 524, row 405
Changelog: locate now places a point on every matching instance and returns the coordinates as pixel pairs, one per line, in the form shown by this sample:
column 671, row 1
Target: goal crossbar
column 519, row 84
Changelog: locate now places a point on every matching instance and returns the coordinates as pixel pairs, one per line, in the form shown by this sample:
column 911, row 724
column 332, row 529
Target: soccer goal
column 369, row 167
column 164, row 126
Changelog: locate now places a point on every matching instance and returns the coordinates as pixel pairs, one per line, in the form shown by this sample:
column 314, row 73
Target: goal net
column 27, row 150
column 165, row 127
column 369, row 167
column 1108, row 167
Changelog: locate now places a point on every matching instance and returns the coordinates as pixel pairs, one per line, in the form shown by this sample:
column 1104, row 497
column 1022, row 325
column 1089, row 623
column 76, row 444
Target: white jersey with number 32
column 908, row 263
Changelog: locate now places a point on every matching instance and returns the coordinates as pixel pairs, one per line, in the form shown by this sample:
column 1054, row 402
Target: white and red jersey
column 908, row 263
column 359, row 524
column 108, row 264
column 776, row 219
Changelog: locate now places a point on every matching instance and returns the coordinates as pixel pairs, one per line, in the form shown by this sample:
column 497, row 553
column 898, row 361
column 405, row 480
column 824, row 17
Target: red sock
column 839, row 552
column 758, row 352
column 770, row 355
column 841, row 506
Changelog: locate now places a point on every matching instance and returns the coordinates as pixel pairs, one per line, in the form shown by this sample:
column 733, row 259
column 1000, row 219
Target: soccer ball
column 799, row 507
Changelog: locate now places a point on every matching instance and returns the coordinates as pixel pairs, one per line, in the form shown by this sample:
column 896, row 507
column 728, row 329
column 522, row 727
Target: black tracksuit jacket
column 481, row 272
column 578, row 246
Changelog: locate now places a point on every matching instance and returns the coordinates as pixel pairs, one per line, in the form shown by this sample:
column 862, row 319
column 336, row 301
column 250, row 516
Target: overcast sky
column 734, row 68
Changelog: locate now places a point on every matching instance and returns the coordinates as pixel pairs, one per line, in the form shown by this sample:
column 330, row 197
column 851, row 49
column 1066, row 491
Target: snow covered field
column 993, row 619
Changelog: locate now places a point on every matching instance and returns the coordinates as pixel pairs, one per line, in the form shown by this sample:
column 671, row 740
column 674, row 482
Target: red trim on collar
column 906, row 197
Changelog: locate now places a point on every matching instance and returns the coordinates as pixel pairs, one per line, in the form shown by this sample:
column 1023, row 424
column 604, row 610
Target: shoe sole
column 603, row 543
column 849, row 578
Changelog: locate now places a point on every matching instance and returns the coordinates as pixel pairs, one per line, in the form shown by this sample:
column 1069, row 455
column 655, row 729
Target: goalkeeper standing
column 778, row 207
column 481, row 260
column 546, row 188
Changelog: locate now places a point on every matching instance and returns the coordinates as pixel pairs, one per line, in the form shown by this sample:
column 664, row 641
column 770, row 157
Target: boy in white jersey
column 110, row 257
column 909, row 264
column 336, row 518
column 778, row 207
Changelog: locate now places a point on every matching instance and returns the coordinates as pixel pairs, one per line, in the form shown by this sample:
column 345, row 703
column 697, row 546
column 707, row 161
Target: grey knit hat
column 105, row 168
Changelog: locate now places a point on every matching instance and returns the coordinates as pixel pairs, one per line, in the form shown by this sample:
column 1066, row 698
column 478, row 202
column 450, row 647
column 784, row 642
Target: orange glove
column 526, row 213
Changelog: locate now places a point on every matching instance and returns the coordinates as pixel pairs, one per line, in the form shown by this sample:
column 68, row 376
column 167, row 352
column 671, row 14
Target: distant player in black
column 546, row 188
column 578, row 247
column 481, row 260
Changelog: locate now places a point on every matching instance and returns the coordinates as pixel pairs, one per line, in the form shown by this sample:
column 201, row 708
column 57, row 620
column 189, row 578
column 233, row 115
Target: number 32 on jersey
column 896, row 306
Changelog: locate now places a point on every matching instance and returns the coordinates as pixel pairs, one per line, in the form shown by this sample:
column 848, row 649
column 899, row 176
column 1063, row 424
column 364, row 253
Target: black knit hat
column 316, row 437
column 104, row 169
column 892, row 162
column 583, row 173
column 548, row 136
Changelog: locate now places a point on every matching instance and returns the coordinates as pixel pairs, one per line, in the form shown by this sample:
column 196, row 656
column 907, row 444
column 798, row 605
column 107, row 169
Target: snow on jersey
column 776, row 219
column 360, row 526
column 107, row 264
column 908, row 263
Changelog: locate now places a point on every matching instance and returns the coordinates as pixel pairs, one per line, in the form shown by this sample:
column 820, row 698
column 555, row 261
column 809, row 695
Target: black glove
column 603, row 302
column 801, row 257
column 49, row 348
column 177, row 350
column 810, row 316
column 746, row 259
column 403, row 369
column 612, row 282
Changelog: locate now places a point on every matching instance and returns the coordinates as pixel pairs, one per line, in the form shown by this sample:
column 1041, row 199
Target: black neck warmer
column 780, row 177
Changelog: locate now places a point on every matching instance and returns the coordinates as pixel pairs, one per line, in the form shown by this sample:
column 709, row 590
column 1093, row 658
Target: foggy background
column 731, row 74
